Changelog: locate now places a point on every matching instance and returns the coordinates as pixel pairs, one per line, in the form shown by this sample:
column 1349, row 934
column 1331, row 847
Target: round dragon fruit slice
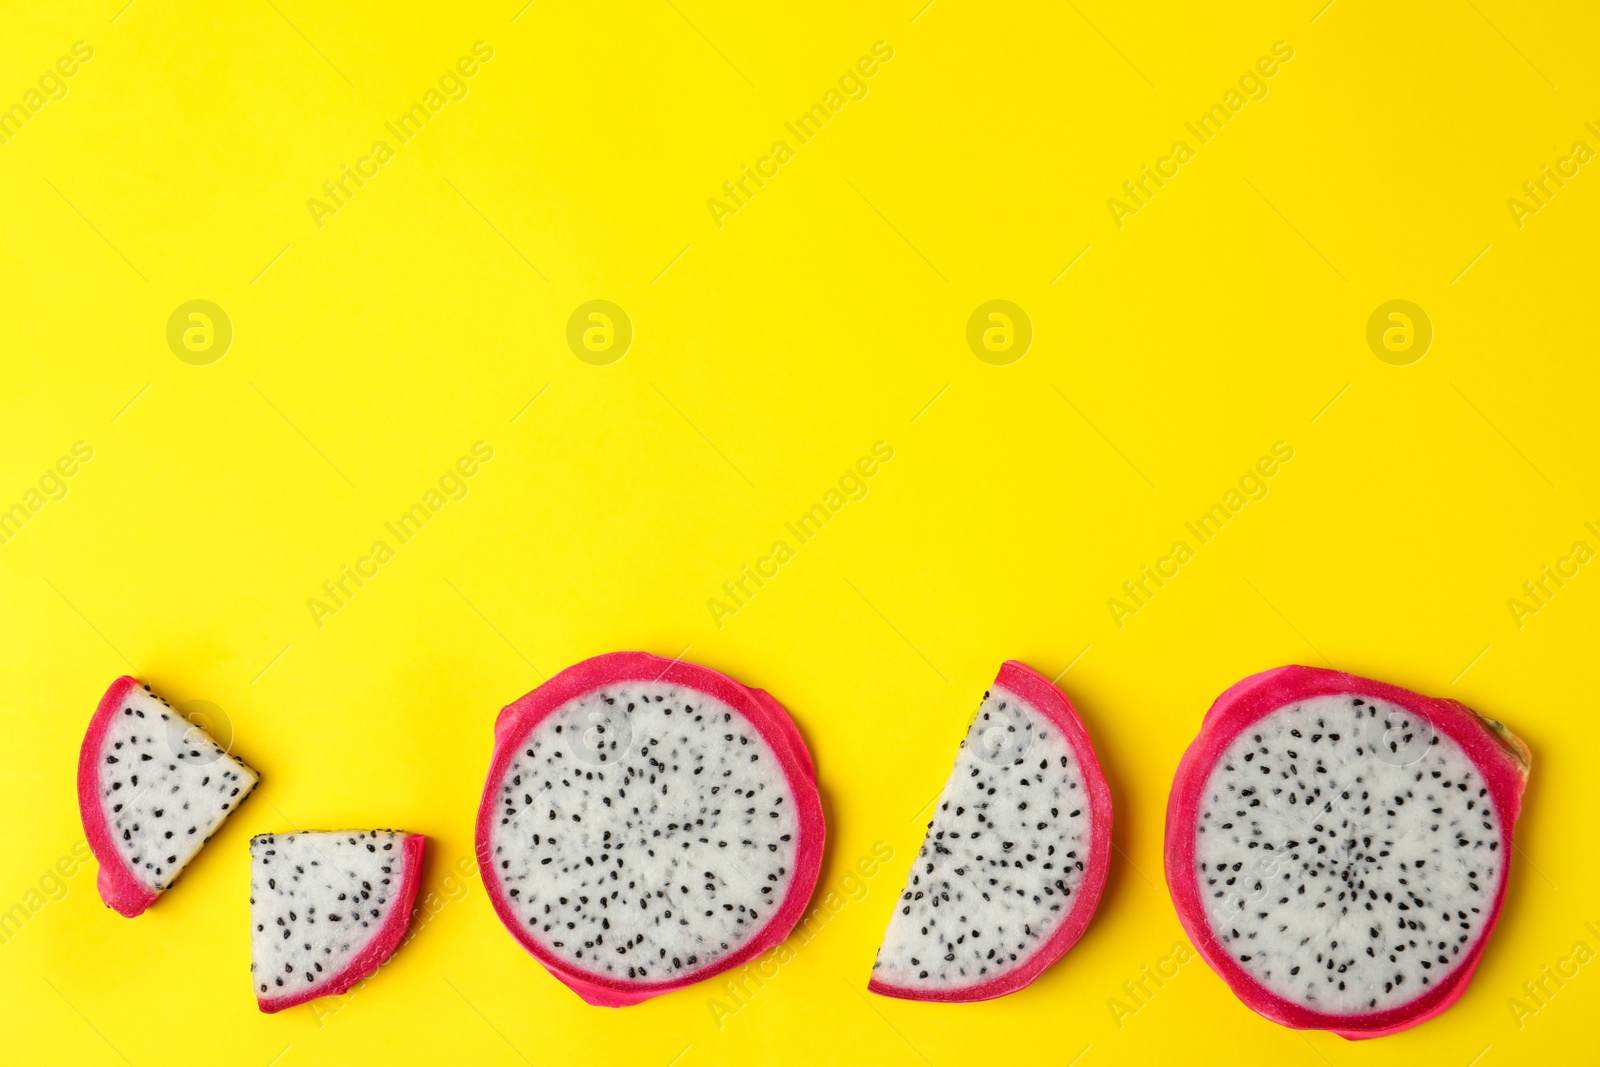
column 1337, row 848
column 327, row 908
column 152, row 789
column 647, row 823
column 1016, row 856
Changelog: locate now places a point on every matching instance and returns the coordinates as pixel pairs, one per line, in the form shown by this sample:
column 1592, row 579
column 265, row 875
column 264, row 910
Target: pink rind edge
column 780, row 715
column 770, row 718
column 1039, row 691
column 119, row 887
column 1503, row 760
column 382, row 944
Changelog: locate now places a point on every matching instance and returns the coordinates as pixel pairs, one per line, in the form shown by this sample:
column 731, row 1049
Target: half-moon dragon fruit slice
column 327, row 908
column 152, row 789
column 1016, row 856
column 647, row 823
column 1337, row 848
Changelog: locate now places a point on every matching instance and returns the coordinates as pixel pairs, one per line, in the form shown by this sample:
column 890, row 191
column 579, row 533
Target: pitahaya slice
column 1337, row 848
column 647, row 823
column 152, row 789
column 1016, row 856
column 327, row 908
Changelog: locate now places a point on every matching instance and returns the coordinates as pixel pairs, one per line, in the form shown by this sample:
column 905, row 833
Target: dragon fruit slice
column 152, row 789
column 327, row 908
column 1337, row 848
column 647, row 823
column 1016, row 856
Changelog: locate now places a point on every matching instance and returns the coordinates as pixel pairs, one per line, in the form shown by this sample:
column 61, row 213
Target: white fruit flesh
column 1007, row 848
column 644, row 831
column 166, row 787
column 316, row 900
column 1348, row 855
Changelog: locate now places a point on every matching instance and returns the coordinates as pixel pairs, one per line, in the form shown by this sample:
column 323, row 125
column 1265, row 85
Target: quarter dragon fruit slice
column 327, row 908
column 1016, row 856
column 647, row 823
column 1337, row 848
column 152, row 789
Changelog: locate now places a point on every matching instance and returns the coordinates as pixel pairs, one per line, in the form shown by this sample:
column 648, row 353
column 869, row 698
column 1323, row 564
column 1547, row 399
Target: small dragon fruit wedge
column 647, row 823
column 327, row 908
column 1337, row 848
column 152, row 789
column 1016, row 856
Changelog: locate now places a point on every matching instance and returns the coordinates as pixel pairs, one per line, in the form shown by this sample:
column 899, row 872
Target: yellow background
column 770, row 353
